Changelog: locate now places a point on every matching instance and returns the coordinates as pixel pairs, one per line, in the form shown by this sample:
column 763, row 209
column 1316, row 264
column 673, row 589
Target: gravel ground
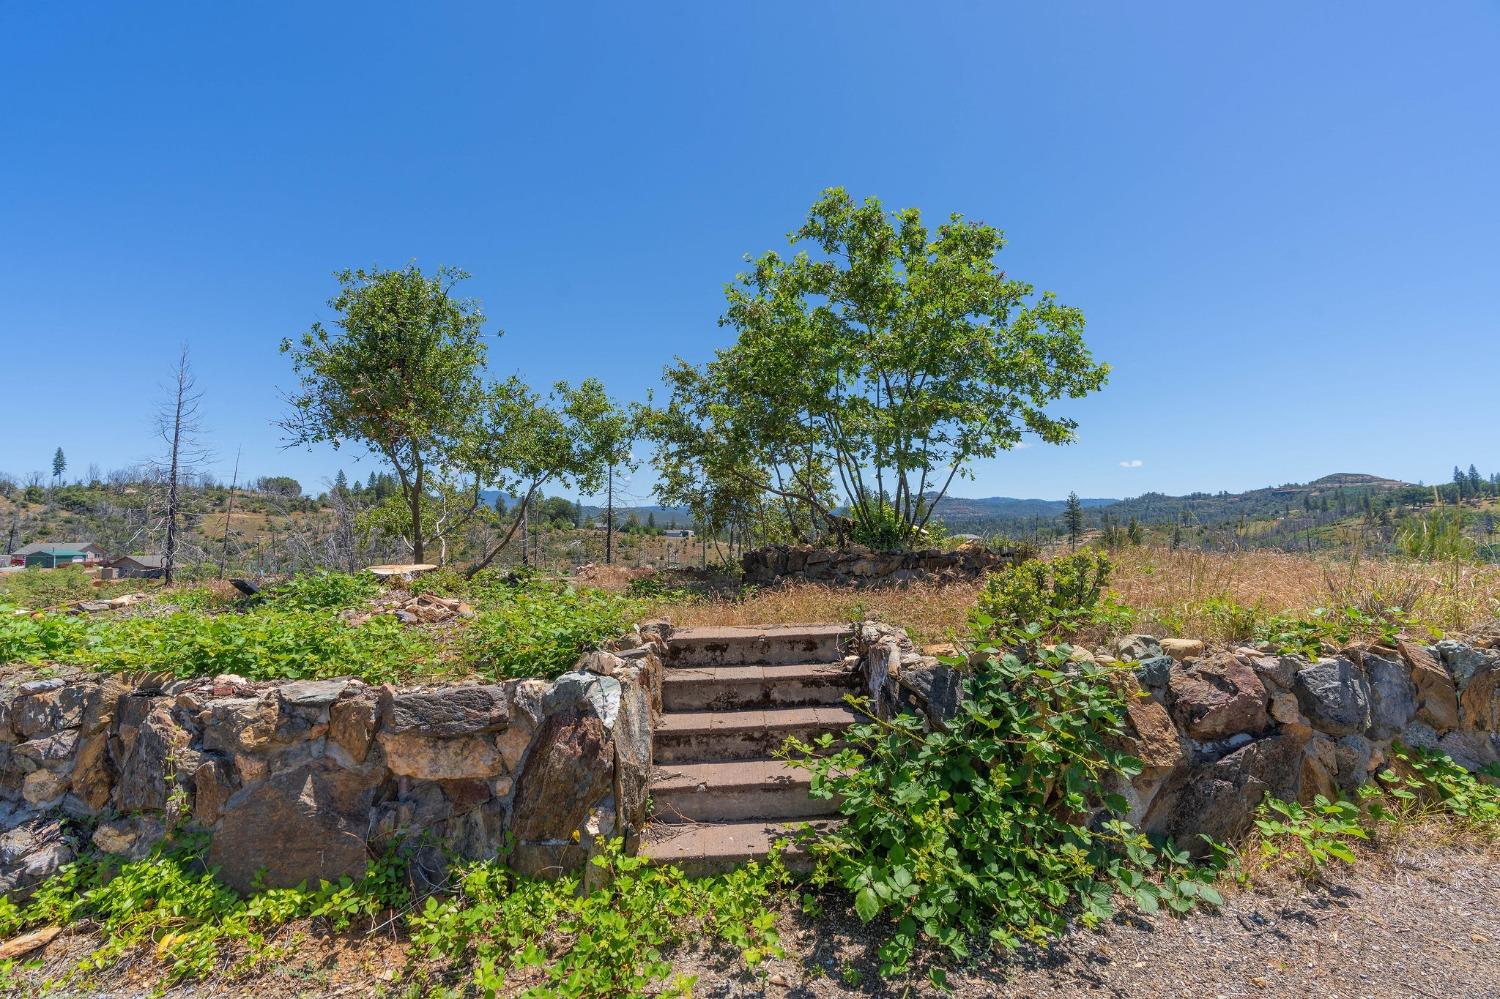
column 1416, row 920
column 1421, row 919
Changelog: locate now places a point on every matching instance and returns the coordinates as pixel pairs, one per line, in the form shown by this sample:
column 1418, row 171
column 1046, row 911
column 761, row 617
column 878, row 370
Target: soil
column 1420, row 918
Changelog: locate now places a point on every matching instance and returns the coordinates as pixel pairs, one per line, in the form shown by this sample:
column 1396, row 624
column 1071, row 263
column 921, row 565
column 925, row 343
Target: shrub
column 980, row 828
column 1063, row 596
column 539, row 627
column 320, row 591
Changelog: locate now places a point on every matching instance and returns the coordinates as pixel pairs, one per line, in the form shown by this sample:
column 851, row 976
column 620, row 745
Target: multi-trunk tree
column 402, row 371
column 871, row 369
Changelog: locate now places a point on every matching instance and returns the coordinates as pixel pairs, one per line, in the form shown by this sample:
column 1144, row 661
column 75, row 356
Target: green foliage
column 1309, row 836
column 322, row 591
column 538, row 627
column 1437, row 535
column 1307, row 635
column 981, row 828
column 1063, row 596
column 883, row 355
column 169, row 907
column 1422, row 780
column 608, row 942
column 36, row 588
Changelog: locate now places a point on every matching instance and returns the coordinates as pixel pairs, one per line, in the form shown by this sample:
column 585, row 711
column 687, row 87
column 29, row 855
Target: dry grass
column 1216, row 596
column 1211, row 595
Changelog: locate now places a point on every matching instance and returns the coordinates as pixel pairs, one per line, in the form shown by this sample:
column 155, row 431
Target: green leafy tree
column 400, row 372
column 883, row 358
column 1073, row 519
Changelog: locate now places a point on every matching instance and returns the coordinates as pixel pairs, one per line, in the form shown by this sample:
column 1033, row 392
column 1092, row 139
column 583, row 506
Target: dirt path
column 1421, row 920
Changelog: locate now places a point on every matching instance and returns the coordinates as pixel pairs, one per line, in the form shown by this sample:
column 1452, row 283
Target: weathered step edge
column 744, row 644
column 701, row 688
column 711, row 848
column 687, row 736
column 735, row 791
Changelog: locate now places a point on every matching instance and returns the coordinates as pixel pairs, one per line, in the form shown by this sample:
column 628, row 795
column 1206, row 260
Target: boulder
column 581, row 691
column 1334, row 695
column 1217, row 698
column 30, row 852
column 1155, row 672
column 569, row 768
column 1393, row 695
column 423, row 757
column 1219, row 798
column 131, row 837
column 53, row 710
column 351, row 722
column 446, row 711
column 305, row 824
column 1437, row 695
column 1479, row 704
column 153, row 759
column 240, row 724
column 1134, row 648
column 1182, row 649
column 1463, row 661
column 1276, row 672
column 213, row 783
column 632, row 763
column 936, row 689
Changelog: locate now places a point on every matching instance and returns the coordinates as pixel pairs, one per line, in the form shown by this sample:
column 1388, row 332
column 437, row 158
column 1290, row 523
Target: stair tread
column 707, row 847
column 755, row 672
column 728, row 775
column 745, row 632
column 676, row 722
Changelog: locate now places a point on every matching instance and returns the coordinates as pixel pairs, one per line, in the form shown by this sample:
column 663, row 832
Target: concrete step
column 718, row 847
column 698, row 688
column 714, row 736
column 734, row 792
column 756, row 644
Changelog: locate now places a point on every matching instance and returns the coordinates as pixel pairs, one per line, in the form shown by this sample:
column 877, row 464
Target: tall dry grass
column 1217, row 596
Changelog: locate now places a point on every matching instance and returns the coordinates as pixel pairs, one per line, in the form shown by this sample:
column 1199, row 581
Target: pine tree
column 1476, row 482
column 59, row 464
column 1073, row 519
column 341, row 483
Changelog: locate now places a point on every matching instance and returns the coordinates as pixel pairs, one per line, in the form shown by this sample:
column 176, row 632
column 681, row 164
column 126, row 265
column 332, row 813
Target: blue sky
column 1280, row 220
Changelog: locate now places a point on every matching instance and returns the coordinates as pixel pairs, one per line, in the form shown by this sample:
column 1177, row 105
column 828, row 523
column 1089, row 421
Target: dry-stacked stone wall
column 867, row 567
column 1218, row 731
column 306, row 779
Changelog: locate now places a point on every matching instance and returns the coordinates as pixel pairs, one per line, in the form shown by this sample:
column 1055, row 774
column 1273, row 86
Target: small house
column 677, row 532
column 51, row 554
column 139, row 566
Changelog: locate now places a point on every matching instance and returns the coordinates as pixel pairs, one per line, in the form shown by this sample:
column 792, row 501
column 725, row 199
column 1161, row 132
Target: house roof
column 56, row 547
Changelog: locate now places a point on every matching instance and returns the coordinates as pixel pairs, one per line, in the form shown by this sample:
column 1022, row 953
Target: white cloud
column 1132, row 463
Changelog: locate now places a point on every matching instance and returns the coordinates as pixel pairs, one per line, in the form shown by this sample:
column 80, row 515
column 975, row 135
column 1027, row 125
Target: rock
column 44, row 787
column 1182, row 649
column 1470, row 750
column 30, row 852
column 601, row 662
column 1352, row 753
column 51, row 710
column 240, row 724
column 52, row 752
column 314, row 694
column 129, row 837
column 1284, row 709
column 1320, row 768
column 153, row 757
column 351, row 722
column 933, row 687
column 632, row 765
column 1334, row 695
column 1155, row 672
column 31, row 687
column 1463, row 661
column 212, row 786
column 1393, row 696
column 446, row 711
column 302, row 825
column 1276, row 672
column 468, row 757
column 1420, row 735
column 1219, row 799
column 1218, row 697
column 1134, row 648
column 1437, row 695
column 567, row 771
column 572, row 691
column 1479, row 704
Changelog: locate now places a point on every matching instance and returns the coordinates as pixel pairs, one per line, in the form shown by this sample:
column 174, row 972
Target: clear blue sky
column 1282, row 220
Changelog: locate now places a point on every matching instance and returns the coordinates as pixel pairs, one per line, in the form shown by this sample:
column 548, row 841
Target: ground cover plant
column 487, row 930
column 302, row 628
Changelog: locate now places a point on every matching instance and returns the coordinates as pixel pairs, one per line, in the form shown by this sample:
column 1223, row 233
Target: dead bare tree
column 177, row 423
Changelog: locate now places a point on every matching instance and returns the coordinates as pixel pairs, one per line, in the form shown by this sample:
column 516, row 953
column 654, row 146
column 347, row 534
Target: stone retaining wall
column 305, row 779
column 866, row 567
column 1219, row 731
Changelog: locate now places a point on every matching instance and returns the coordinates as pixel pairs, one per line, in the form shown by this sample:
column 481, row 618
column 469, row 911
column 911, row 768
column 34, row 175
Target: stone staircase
column 730, row 697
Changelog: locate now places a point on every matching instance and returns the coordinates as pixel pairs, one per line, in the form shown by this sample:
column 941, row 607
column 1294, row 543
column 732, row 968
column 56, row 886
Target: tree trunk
column 417, row 551
column 609, row 518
